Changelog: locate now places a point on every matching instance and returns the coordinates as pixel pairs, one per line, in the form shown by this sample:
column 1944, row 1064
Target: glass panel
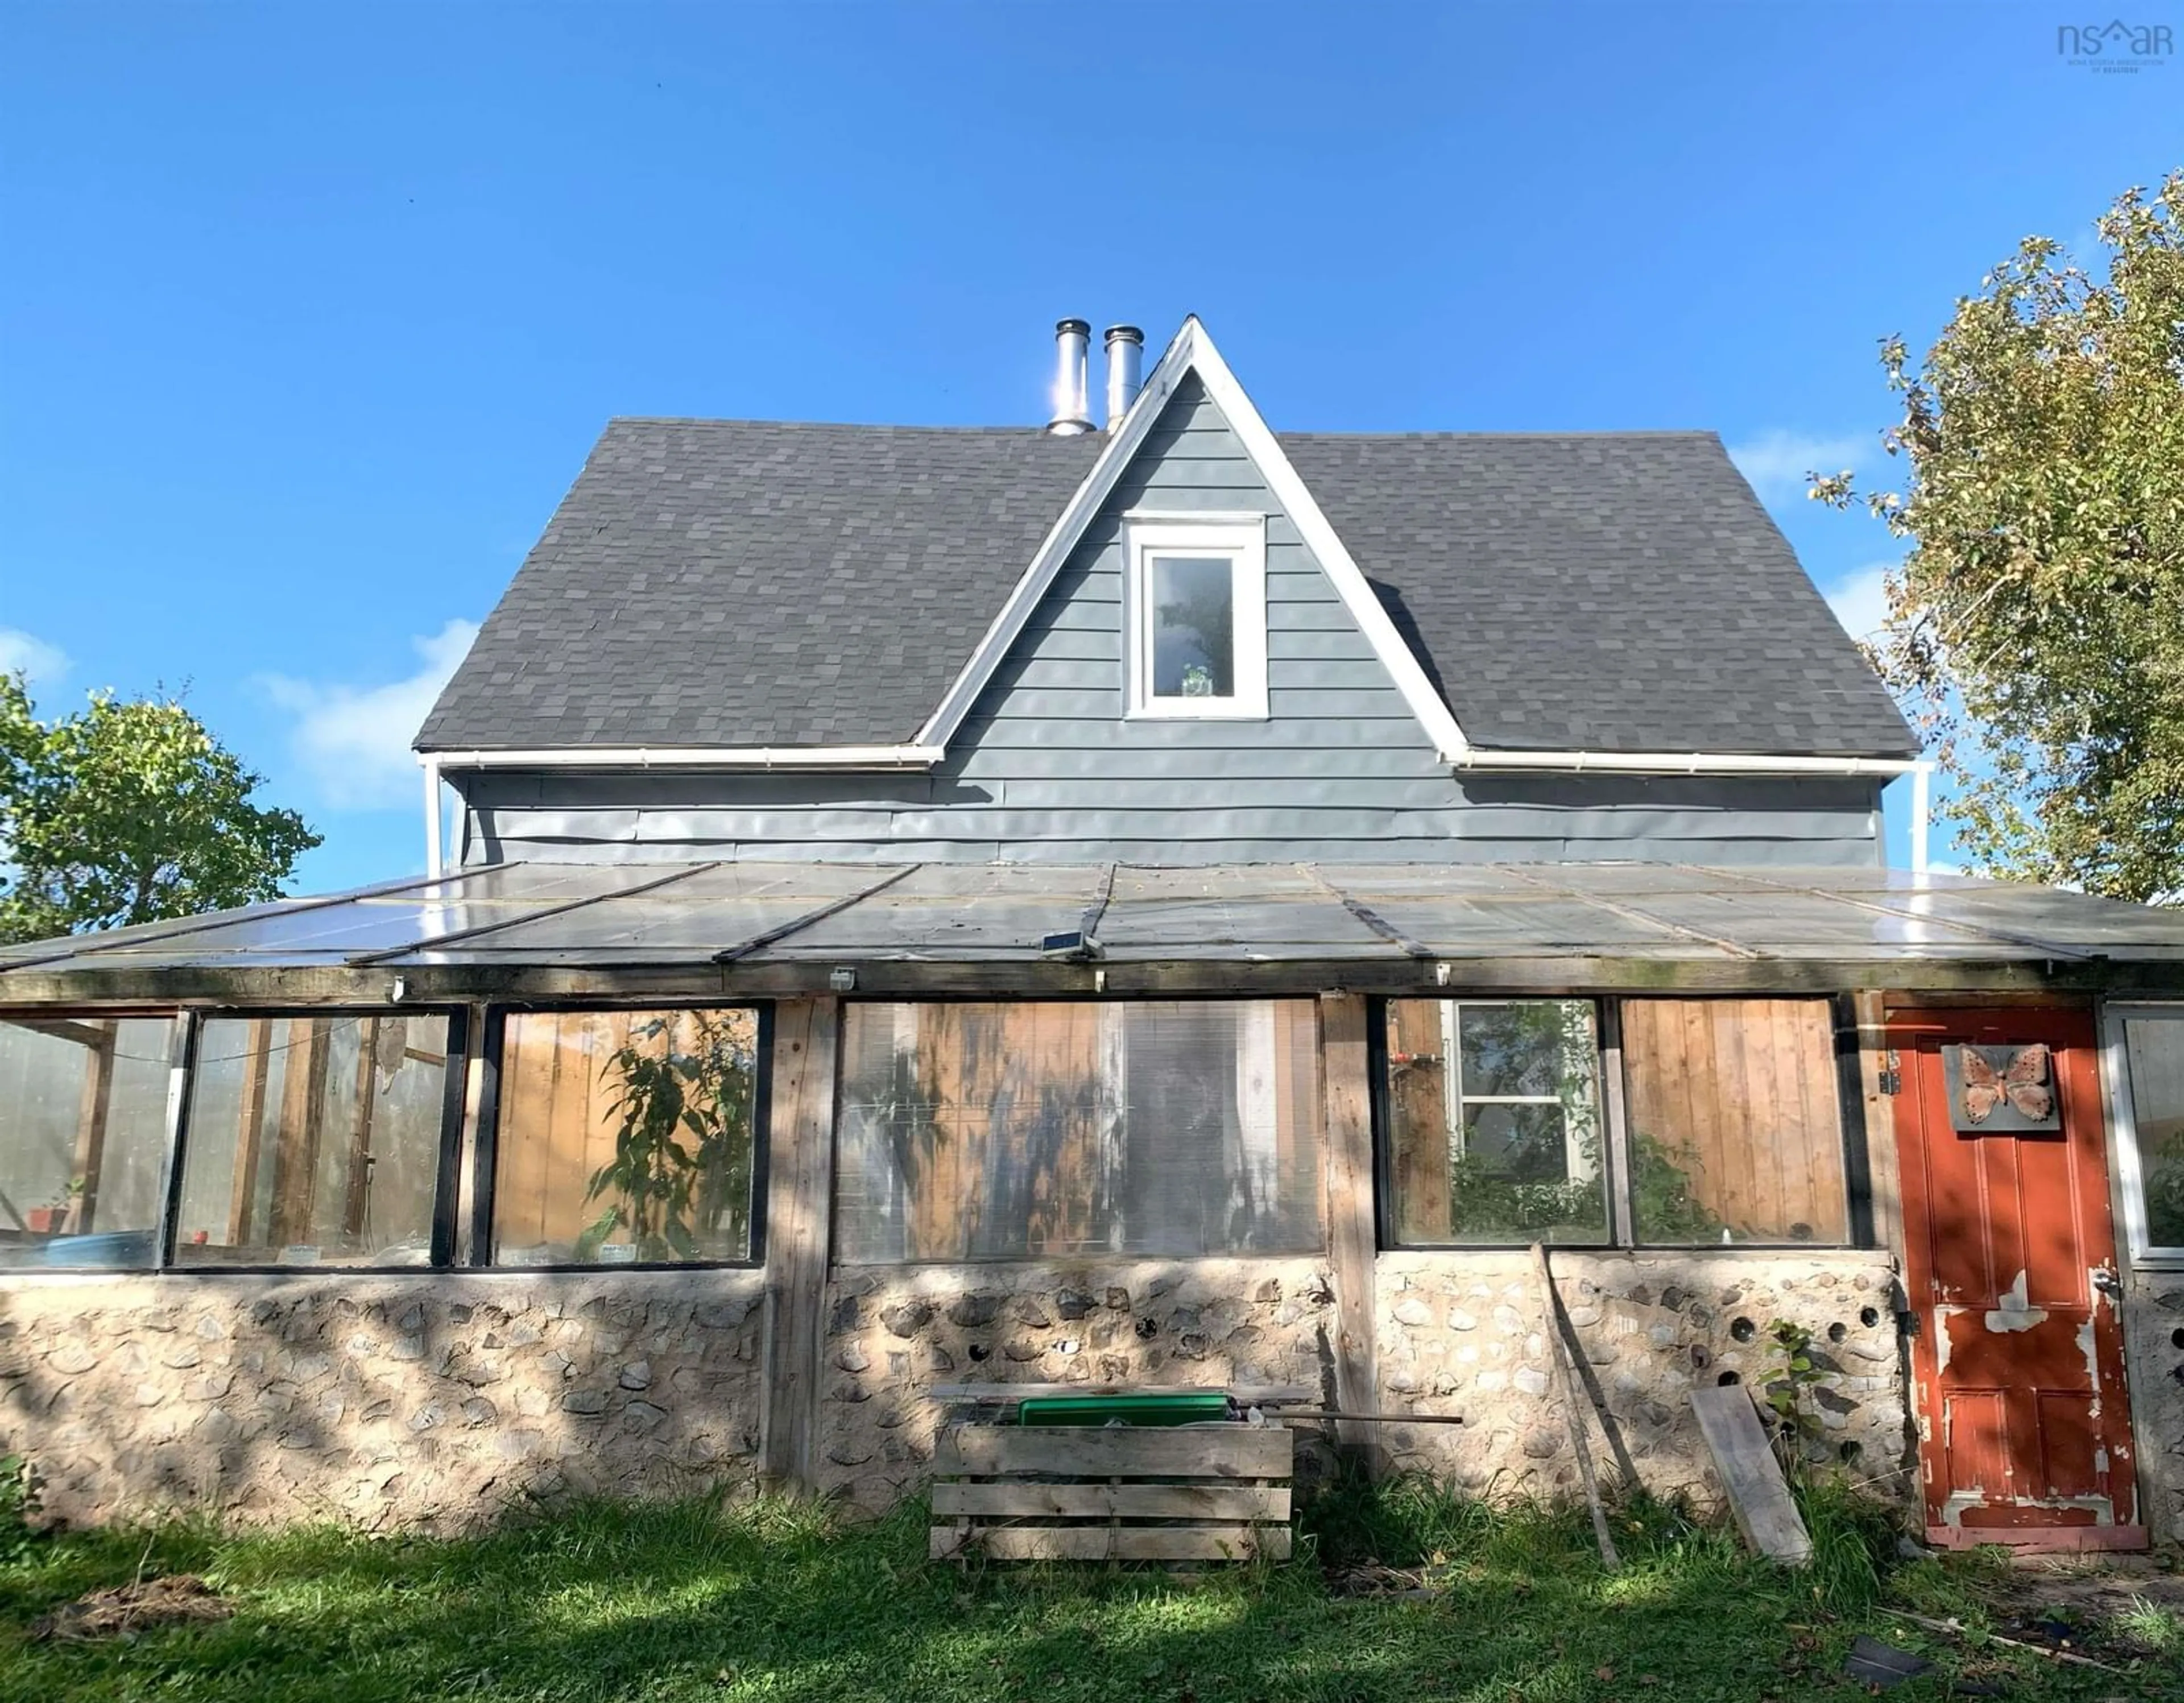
column 1523, row 1143
column 2155, row 1048
column 313, row 1141
column 1735, row 1131
column 83, row 1140
column 1507, row 1147
column 625, row 1136
column 1512, row 1049
column 1001, row 1132
column 1193, row 627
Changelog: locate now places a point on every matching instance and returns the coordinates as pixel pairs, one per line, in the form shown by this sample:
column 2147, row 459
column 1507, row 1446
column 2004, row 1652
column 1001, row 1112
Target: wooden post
column 1566, row 1386
column 798, row 1214
column 1884, row 1171
column 250, row 1127
column 357, row 1206
column 1351, row 1237
column 296, row 1142
column 91, row 1110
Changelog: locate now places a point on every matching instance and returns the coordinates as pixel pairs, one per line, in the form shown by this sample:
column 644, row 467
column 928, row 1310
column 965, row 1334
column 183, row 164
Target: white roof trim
column 693, row 757
column 1193, row 351
column 1684, row 763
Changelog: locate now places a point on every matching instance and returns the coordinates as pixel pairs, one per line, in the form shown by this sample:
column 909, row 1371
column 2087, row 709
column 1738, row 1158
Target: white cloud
column 20, row 652
column 1860, row 600
column 1776, row 462
column 354, row 741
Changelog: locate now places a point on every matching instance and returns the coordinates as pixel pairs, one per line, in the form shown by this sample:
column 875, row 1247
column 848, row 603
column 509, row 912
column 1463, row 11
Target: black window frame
column 484, row 1178
column 1322, row 1251
column 181, row 1046
column 1623, row 1236
column 447, row 1169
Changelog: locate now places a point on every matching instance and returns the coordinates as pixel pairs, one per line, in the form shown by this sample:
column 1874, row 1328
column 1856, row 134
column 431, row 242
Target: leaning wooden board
column 1173, row 1493
column 1752, row 1479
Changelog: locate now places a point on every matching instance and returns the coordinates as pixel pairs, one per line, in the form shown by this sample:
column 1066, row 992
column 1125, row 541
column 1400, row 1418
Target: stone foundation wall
column 2154, row 1348
column 433, row 1401
column 895, row 1331
column 1466, row 1333
column 437, row 1400
column 1456, row 1334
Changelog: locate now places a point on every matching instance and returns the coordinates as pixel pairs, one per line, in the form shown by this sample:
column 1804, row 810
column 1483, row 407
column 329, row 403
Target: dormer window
column 1195, row 609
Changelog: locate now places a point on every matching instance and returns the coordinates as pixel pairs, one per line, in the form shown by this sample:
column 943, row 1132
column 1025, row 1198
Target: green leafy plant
column 2034, row 630
column 1663, row 1207
column 679, row 1184
column 1788, row 1393
column 127, row 812
column 18, row 1510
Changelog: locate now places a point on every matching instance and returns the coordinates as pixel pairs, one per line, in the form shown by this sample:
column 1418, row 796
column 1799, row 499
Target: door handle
column 2106, row 1282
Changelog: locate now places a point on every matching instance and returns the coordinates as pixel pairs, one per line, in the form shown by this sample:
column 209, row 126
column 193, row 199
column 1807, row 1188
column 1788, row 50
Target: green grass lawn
column 692, row 1600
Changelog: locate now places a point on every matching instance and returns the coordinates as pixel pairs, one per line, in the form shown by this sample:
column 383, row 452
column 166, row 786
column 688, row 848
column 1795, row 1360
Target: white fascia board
column 917, row 756
column 1192, row 350
column 1320, row 538
column 1684, row 763
column 1061, row 538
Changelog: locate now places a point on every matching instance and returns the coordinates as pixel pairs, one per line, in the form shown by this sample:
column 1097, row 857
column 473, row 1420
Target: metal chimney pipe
column 1126, row 351
column 1073, row 407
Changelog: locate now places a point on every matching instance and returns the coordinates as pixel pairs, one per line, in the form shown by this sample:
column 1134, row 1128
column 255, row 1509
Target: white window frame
column 1242, row 540
column 1455, row 1100
column 2130, row 1172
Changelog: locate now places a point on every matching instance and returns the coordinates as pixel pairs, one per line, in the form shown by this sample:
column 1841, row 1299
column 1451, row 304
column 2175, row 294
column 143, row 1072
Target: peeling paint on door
column 2016, row 1313
column 2024, row 1425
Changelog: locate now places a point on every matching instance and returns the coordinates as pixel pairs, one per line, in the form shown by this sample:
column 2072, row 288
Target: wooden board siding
column 1742, row 1096
column 1418, row 1075
column 1046, row 767
column 978, row 1131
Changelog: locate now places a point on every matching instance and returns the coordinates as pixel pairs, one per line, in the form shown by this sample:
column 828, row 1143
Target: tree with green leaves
column 128, row 811
column 2036, row 629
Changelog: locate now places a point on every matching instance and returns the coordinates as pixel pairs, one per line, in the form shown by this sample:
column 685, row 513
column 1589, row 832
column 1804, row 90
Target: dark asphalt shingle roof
column 749, row 584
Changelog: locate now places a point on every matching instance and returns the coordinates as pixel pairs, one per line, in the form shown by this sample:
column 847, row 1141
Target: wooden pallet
column 1186, row 1493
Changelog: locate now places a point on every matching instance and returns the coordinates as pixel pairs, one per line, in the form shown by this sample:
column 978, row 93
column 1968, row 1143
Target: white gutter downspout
column 434, row 862
column 1922, row 815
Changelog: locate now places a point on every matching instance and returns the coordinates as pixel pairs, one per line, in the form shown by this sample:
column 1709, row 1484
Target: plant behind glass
column 682, row 1164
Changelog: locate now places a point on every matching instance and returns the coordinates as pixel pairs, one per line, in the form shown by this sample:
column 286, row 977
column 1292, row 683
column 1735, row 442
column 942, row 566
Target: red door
column 2009, row 1262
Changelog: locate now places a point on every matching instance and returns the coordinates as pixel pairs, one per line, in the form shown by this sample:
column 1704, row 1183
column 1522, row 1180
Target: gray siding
column 1046, row 768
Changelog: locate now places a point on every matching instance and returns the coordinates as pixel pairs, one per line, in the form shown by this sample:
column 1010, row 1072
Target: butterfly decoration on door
column 2004, row 1087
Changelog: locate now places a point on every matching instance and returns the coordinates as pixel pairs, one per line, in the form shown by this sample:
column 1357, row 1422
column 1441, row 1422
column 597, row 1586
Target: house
column 1170, row 905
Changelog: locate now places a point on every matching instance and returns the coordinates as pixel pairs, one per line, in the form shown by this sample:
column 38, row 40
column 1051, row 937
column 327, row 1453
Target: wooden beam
column 1351, row 1236
column 1883, row 1169
column 519, row 978
column 296, row 1142
column 357, row 1204
column 250, row 1129
column 799, row 1190
column 92, row 1107
column 1750, row 1477
column 93, row 1035
column 1114, row 1543
column 1141, row 1451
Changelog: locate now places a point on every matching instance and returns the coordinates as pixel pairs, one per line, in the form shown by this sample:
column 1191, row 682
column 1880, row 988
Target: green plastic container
column 1165, row 1407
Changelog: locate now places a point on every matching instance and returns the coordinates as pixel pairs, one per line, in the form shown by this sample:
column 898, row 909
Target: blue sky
column 309, row 313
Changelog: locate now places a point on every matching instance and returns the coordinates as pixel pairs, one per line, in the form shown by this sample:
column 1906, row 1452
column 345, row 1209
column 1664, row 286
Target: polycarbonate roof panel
column 955, row 912
column 670, row 915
